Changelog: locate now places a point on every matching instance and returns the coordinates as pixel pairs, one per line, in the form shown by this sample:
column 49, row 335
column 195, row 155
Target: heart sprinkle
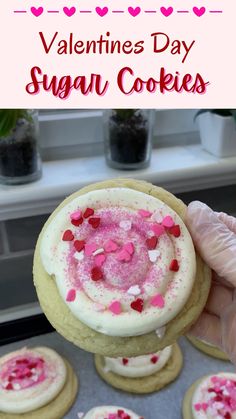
column 88, row 212
column 9, row 387
column 157, row 301
column 153, row 255
column 71, row 295
column 99, row 307
column 123, row 256
column 137, row 305
column 158, row 229
column 125, row 361
column 99, row 260
column 168, row 221
column 134, row 290
column 126, row 225
column 144, row 213
column 175, row 230
column 79, row 256
column 68, row 236
column 90, row 249
column 129, row 247
column 115, row 307
column 96, row 274
column 76, row 215
column 94, row 222
column 160, row 332
column 154, row 359
column 174, row 265
column 79, row 245
column 78, row 222
column 151, row 242
column 110, row 246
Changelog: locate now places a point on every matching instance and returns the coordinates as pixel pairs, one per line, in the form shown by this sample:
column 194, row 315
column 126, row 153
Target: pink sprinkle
column 89, row 249
column 123, row 256
column 158, row 229
column 197, row 407
column 76, row 215
column 144, row 213
column 99, row 307
column 168, row 221
column 71, row 295
column 99, row 260
column 112, row 416
column 115, row 307
column 110, row 246
column 204, row 407
column 157, row 301
column 215, row 379
column 129, row 247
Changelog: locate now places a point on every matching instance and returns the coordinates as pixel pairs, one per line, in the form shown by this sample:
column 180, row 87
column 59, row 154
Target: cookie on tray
column 142, row 374
column 110, row 412
column 116, row 271
column 211, row 397
column 208, row 349
column 36, row 383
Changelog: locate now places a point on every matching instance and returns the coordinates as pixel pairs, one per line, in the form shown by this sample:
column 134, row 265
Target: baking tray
column 93, row 391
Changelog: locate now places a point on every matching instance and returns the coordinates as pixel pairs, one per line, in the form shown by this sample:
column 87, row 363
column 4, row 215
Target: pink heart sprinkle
column 71, row 295
column 167, row 11
column 101, row 11
column 76, row 215
column 99, row 307
column 199, row 11
column 99, row 260
column 129, row 247
column 123, row 256
column 134, row 11
column 144, row 213
column 157, row 301
column 168, row 221
column 36, row 11
column 115, row 307
column 69, row 11
column 110, row 246
column 158, row 229
column 89, row 249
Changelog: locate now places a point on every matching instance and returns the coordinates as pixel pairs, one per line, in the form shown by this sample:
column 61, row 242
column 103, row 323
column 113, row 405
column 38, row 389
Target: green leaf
column 8, row 119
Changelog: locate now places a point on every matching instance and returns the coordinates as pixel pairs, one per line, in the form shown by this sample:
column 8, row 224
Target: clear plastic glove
column 214, row 235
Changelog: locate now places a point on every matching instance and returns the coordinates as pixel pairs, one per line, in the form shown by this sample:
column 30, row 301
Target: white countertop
column 178, row 169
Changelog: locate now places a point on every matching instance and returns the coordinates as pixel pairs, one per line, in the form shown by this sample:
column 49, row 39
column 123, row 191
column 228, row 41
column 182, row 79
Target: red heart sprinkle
column 88, row 212
column 120, row 413
column 68, row 236
column 29, row 374
column 154, row 359
column 151, row 243
column 78, row 222
column 125, row 361
column 137, row 305
column 9, row 386
column 32, row 365
column 10, row 378
column 94, row 222
column 79, row 245
column 174, row 265
column 175, row 230
column 96, row 274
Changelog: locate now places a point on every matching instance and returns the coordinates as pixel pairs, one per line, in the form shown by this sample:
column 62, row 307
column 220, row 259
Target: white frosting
column 203, row 404
column 25, row 400
column 140, row 366
column 102, row 412
column 174, row 286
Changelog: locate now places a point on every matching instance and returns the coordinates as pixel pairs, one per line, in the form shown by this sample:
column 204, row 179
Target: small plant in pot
column 218, row 131
column 19, row 155
column 128, row 138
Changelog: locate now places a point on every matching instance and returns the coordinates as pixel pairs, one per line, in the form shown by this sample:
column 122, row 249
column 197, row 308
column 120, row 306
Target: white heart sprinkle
column 106, row 369
column 98, row 251
column 157, row 217
column 134, row 290
column 126, row 225
column 160, row 332
column 80, row 415
column 153, row 255
column 99, row 307
column 79, row 255
column 16, row 386
column 34, row 378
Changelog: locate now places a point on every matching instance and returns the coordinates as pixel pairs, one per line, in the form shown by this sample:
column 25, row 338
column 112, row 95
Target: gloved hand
column 214, row 235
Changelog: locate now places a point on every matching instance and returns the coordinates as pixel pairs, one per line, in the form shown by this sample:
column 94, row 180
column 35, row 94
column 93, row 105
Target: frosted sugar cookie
column 35, row 383
column 115, row 269
column 208, row 349
column 142, row 374
column 211, row 397
column 111, row 412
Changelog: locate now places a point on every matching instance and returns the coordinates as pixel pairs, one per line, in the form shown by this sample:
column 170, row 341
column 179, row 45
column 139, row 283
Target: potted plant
column 19, row 156
column 128, row 138
column 218, row 131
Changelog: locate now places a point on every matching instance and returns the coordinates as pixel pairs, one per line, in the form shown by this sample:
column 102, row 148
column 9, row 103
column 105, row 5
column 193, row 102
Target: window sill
column 178, row 169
